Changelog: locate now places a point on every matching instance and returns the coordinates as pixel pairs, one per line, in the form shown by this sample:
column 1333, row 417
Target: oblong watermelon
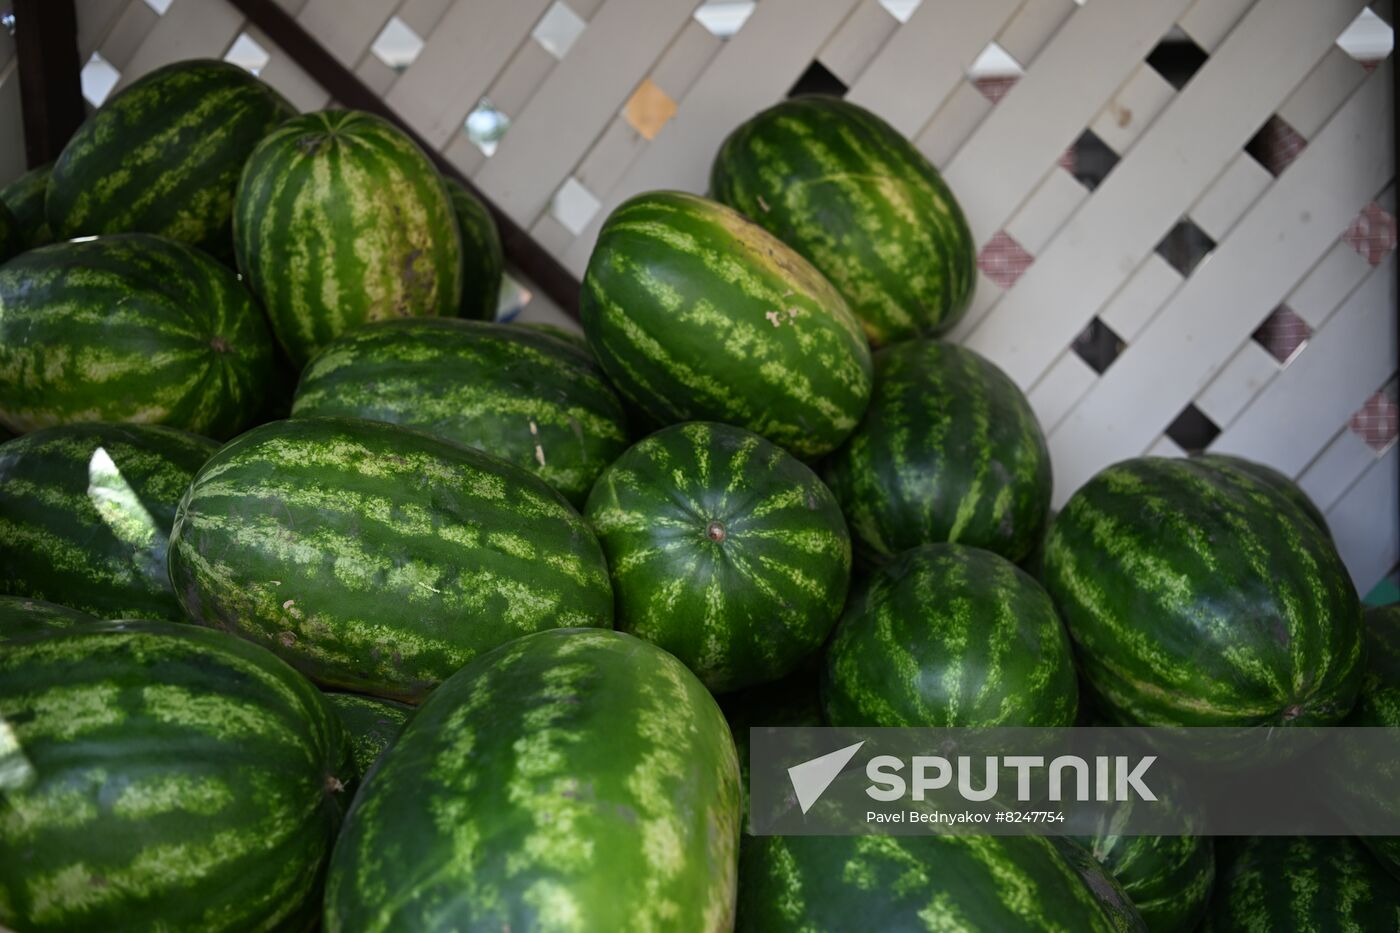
column 959, row 884
column 949, row 450
column 183, row 779
column 1168, row 878
column 25, row 198
column 696, row 314
column 483, row 259
column 377, row 559
column 341, row 219
column 21, row 616
column 163, row 156
column 573, row 338
column 569, row 780
column 946, row 635
column 1299, row 884
column 847, row 191
column 1196, row 600
column 371, row 723
column 85, row 515
column 506, row 390
column 1282, row 485
column 724, row 549
column 131, row 328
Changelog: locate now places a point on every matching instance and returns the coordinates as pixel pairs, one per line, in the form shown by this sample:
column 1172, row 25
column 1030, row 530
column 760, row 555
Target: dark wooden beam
column 521, row 249
column 51, row 94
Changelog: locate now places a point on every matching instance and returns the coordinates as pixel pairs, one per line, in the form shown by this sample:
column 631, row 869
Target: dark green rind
column 340, row 219
column 572, row 338
column 483, row 259
column 724, row 549
column 696, row 314
column 1297, row 884
column 793, row 701
column 934, row 883
column 520, row 395
column 949, row 450
column 11, row 234
column 1379, row 704
column 848, row 192
column 377, row 559
column 946, row 635
column 185, row 780
column 21, row 617
column 163, row 156
column 1285, row 487
column 570, row 780
column 371, row 723
column 131, row 328
column 85, row 515
column 1168, row 878
column 25, row 198
column 1195, row 600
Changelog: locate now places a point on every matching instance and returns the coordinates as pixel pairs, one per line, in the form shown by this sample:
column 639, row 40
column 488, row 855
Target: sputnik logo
column 811, row 778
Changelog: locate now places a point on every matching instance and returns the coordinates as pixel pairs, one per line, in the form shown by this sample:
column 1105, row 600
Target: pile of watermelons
column 332, row 602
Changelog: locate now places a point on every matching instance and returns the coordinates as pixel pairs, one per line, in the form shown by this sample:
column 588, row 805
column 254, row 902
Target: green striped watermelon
column 163, row 156
column 85, row 515
column 377, row 559
column 129, row 328
column 572, row 338
column 848, row 192
column 793, row 701
column 184, row 780
column 1325, row 884
column 11, row 234
column 341, row 219
column 371, row 723
column 724, row 549
column 569, row 780
column 1379, row 704
column 697, row 314
column 944, row 883
column 520, row 395
column 946, row 635
column 483, row 260
column 1282, row 485
column 949, row 450
column 25, row 198
column 1196, row 600
column 1168, row 878
column 21, row 616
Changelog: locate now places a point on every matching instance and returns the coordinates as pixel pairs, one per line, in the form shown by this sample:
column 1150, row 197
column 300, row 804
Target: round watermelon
column 483, row 260
column 949, row 450
column 1284, row 487
column 21, row 616
column 163, row 156
column 25, row 198
column 371, row 723
column 85, row 515
column 696, row 314
column 183, row 779
column 848, row 192
column 957, row 884
column 377, row 559
column 509, row 391
column 341, row 219
column 724, row 549
column 133, row 328
column 569, row 780
column 1196, row 600
column 946, row 635
column 1168, row 878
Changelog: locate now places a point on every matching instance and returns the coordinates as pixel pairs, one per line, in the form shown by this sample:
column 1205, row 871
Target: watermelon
column 949, row 450
column 129, row 328
column 20, row 617
column 25, row 198
column 1196, row 600
column 698, row 315
column 371, row 723
column 341, row 219
column 1282, row 485
column 483, row 261
column 793, row 701
column 163, row 156
column 1168, row 878
column 568, row 780
column 520, row 395
column 377, row 559
column 847, row 191
column 183, row 780
column 11, row 234
column 85, row 515
column 1301, row 884
column 834, row 884
column 571, row 337
column 1379, row 704
column 724, row 549
column 947, row 635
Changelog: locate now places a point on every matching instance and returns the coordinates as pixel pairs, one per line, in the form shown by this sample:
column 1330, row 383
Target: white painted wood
column 1333, row 471
column 1047, row 109
column 345, row 28
column 1032, row 26
column 1363, row 522
column 1237, row 383
column 684, row 60
column 1132, row 110
column 1164, row 447
column 1208, row 22
column 422, row 16
column 1142, row 198
column 291, row 81
column 1333, row 277
column 985, row 295
column 519, row 80
column 855, row 43
column 1229, row 294
column 128, row 31
column 95, row 20
column 955, row 121
column 927, row 58
column 1141, row 297
column 1046, row 210
column 1322, row 92
column 1230, row 195
column 464, row 155
column 378, row 76
column 610, row 157
column 1065, row 383
column 189, row 29
column 1342, row 366
column 613, row 54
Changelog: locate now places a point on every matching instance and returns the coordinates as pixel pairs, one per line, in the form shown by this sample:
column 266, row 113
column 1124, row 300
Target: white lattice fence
column 1279, row 344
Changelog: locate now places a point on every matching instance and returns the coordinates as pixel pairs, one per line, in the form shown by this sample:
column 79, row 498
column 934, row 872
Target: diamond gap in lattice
column 1090, row 160
column 98, row 77
column 1377, row 422
column 901, row 9
column 574, row 205
column 723, row 18
column 485, row 126
column 1184, row 246
column 397, row 45
column 247, row 54
column 558, row 29
column 1283, row 334
column 1276, row 145
column 1192, row 431
column 1369, row 39
column 648, row 109
column 1372, row 234
column 1098, row 346
column 817, row 79
column 1177, row 58
column 995, row 72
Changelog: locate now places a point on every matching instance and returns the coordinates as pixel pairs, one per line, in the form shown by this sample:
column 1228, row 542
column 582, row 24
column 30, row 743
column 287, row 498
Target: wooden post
column 51, row 96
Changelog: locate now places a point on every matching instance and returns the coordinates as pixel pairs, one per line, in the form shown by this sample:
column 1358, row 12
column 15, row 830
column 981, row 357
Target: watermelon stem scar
column 715, row 531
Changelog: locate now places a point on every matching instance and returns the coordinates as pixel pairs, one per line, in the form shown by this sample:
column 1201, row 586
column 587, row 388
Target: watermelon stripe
column 483, row 258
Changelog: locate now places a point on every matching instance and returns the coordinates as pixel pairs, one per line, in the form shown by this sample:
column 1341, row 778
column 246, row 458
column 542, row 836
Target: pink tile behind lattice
column 1283, row 333
column 1003, row 260
column 1378, row 421
column 1372, row 234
